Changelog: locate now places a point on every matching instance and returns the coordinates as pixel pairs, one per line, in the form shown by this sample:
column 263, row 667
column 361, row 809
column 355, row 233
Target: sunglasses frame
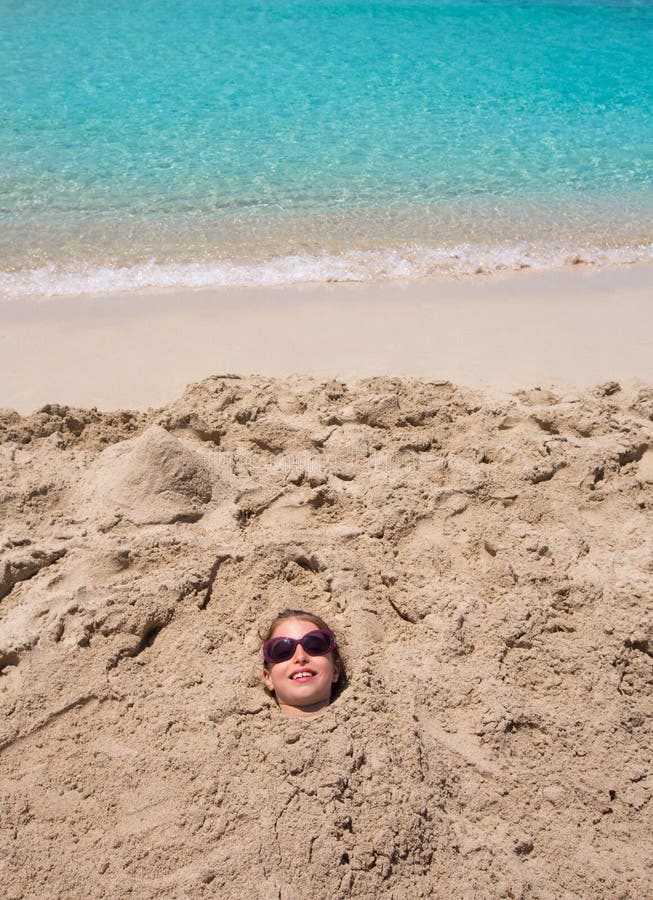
column 330, row 636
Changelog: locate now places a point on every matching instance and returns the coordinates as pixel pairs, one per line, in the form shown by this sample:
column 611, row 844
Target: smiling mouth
column 302, row 676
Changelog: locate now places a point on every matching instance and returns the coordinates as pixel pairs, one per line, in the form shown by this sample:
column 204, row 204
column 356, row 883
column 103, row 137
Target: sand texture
column 578, row 326
column 488, row 565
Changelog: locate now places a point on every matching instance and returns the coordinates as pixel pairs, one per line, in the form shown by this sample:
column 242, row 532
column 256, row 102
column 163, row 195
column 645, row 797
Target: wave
column 399, row 264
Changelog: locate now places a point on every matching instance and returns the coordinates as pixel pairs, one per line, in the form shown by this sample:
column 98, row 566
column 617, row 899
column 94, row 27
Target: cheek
column 332, row 670
column 276, row 676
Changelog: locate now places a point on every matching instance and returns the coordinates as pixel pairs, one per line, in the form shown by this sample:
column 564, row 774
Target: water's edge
column 401, row 264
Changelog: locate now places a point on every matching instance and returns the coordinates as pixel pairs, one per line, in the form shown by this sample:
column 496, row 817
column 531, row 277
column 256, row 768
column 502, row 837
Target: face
column 303, row 683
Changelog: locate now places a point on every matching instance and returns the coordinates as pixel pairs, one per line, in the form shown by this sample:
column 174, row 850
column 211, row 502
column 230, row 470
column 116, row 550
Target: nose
column 300, row 655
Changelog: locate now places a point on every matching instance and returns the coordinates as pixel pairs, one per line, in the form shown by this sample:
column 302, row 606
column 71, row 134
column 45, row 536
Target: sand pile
column 487, row 564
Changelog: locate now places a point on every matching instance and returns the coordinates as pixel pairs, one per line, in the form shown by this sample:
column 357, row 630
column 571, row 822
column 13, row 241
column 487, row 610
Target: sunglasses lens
column 317, row 643
column 279, row 649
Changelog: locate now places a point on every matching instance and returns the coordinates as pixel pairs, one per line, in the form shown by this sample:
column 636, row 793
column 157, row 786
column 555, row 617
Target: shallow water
column 153, row 142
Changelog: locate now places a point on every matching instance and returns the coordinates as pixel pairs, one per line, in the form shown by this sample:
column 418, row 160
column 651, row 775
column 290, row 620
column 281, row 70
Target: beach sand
column 578, row 326
column 484, row 550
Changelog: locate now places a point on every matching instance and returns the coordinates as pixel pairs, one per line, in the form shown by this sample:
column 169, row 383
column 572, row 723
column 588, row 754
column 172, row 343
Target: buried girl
column 302, row 665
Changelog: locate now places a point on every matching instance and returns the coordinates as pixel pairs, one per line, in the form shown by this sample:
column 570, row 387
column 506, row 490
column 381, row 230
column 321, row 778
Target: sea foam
column 400, row 264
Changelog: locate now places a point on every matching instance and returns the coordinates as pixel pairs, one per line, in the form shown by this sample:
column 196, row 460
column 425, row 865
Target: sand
column 487, row 564
column 578, row 326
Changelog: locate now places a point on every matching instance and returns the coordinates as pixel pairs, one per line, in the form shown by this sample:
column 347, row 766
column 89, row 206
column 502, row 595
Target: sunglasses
column 315, row 643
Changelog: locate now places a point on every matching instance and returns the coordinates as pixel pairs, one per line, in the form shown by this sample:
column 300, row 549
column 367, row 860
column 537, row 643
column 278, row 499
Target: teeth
column 302, row 675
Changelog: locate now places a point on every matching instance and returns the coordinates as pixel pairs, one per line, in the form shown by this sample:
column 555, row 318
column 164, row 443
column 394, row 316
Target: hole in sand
column 8, row 659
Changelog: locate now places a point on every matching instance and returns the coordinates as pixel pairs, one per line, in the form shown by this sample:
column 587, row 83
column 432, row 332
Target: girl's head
column 302, row 665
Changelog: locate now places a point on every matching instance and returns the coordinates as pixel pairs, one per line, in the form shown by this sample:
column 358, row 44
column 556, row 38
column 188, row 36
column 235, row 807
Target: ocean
column 169, row 143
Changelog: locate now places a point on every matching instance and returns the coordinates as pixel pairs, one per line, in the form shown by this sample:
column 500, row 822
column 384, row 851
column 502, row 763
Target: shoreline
column 354, row 264
column 579, row 326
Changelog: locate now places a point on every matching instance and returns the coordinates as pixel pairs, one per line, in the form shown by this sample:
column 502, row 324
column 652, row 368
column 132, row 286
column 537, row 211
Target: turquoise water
column 172, row 142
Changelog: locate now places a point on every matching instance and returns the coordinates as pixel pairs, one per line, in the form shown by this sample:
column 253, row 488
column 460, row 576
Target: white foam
column 408, row 263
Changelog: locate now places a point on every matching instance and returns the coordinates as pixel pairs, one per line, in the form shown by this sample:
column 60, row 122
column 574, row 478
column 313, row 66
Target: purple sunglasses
column 315, row 643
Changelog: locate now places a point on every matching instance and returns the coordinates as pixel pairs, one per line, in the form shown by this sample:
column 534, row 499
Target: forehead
column 293, row 627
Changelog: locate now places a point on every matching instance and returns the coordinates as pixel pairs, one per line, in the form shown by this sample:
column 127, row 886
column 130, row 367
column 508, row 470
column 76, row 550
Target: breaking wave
column 401, row 264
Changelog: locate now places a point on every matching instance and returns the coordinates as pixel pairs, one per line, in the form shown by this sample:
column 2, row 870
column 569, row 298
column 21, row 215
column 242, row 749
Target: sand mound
column 152, row 479
column 488, row 566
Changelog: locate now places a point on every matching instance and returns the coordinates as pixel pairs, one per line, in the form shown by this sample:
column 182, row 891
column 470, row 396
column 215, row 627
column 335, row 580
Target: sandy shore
column 486, row 559
column 578, row 326
column 487, row 566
